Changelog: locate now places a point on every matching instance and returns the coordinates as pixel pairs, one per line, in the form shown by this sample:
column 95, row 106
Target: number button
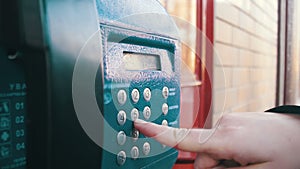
column 147, row 112
column 121, row 117
column 165, row 123
column 165, row 92
column 135, row 152
column 122, row 97
column 135, row 134
column 121, row 158
column 147, row 94
column 135, row 95
column 165, row 108
column 146, row 148
column 134, row 114
column 121, row 138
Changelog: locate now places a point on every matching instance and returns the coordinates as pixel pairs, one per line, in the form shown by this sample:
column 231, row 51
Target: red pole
column 205, row 112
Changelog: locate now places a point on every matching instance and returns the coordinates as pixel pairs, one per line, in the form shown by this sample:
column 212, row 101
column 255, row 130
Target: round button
column 165, row 92
column 165, row 108
column 121, row 158
column 121, row 117
column 135, row 95
column 135, row 152
column 121, row 138
column 134, row 114
column 147, row 112
column 147, row 94
column 135, row 134
column 122, row 97
column 165, row 123
column 146, row 148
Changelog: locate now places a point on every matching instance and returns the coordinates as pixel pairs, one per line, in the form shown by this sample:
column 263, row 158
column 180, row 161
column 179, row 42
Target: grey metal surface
column 146, row 15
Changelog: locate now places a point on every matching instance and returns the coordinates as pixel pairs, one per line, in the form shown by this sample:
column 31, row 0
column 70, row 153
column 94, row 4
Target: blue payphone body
column 87, row 69
column 141, row 60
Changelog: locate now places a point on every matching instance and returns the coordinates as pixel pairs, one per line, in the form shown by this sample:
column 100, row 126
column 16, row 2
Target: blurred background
column 254, row 65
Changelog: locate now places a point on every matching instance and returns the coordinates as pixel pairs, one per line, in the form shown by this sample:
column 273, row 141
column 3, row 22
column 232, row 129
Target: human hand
column 240, row 140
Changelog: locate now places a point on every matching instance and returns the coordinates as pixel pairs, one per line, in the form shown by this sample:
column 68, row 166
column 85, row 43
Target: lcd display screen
column 141, row 62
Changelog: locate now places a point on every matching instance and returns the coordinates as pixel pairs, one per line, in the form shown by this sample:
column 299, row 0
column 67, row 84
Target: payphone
column 74, row 77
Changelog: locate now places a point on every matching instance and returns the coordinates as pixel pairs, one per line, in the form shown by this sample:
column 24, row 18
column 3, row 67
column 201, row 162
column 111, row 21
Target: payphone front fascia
column 142, row 28
column 67, row 137
column 12, row 112
column 163, row 72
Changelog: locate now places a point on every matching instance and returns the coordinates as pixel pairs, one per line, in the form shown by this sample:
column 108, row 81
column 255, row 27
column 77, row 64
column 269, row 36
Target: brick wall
column 245, row 61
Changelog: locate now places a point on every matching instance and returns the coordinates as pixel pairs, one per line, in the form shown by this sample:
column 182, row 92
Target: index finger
column 192, row 140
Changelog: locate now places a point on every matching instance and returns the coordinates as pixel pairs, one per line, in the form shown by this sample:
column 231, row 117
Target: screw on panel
column 14, row 56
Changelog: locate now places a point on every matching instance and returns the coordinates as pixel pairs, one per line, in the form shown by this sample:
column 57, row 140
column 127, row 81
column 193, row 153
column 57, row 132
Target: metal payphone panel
column 141, row 80
column 53, row 35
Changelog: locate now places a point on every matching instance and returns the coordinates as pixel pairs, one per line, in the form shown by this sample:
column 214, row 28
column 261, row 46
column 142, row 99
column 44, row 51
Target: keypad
column 135, row 114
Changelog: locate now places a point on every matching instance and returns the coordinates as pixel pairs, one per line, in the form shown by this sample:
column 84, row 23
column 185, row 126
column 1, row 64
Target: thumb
column 192, row 140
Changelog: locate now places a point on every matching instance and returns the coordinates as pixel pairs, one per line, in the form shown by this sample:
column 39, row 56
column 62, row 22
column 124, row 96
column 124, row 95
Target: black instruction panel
column 12, row 112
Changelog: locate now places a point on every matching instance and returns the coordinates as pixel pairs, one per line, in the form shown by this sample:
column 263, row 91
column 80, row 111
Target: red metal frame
column 207, row 67
column 204, row 73
column 199, row 50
